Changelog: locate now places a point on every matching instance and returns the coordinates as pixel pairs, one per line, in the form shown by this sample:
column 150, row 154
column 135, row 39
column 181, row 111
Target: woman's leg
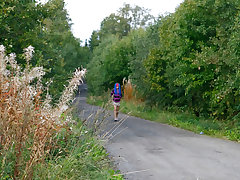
column 117, row 110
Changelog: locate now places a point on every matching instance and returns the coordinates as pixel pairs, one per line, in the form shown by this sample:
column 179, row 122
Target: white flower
column 12, row 56
column 12, row 61
column 36, row 72
column 2, row 49
column 29, row 52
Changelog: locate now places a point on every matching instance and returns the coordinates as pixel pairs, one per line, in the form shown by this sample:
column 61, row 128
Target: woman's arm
column 112, row 92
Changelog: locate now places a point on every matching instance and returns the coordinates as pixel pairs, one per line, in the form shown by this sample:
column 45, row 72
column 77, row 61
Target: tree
column 124, row 20
column 193, row 43
column 94, row 40
column 137, row 16
column 114, row 24
column 47, row 28
column 96, row 73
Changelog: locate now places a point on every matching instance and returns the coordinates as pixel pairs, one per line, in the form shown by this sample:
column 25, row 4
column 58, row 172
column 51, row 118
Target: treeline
column 47, row 28
column 188, row 59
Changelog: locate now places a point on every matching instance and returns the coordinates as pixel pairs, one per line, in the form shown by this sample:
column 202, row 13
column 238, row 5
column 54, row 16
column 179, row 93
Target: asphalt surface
column 145, row 150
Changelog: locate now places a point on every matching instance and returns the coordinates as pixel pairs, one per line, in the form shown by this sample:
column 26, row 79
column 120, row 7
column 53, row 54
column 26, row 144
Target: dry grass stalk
column 27, row 124
column 128, row 89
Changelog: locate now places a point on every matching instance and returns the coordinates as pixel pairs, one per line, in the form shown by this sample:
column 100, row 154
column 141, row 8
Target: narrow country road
column 145, row 150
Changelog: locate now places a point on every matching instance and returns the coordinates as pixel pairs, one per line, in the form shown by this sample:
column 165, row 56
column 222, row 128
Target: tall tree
column 193, row 42
column 114, row 24
column 137, row 16
column 94, row 40
column 124, row 20
column 47, row 27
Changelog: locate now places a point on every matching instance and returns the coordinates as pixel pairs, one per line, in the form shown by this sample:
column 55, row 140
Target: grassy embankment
column 77, row 155
column 221, row 129
column 41, row 141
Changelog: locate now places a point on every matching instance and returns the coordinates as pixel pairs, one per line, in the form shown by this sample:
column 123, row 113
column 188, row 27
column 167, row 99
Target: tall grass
column 127, row 89
column 27, row 122
column 78, row 155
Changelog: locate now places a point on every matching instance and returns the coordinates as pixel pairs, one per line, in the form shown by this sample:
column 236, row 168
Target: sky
column 87, row 15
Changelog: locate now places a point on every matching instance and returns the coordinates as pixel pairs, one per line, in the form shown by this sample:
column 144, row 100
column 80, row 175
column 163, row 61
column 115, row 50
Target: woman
column 117, row 95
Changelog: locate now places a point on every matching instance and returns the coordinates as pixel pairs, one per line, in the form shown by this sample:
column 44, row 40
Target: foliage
column 28, row 123
column 47, row 28
column 94, row 40
column 193, row 44
column 114, row 24
column 109, row 64
column 142, row 41
column 187, row 59
column 127, row 18
column 96, row 73
column 76, row 155
column 137, row 16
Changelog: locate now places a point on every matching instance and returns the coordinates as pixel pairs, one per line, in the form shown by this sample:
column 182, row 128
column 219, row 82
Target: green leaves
column 126, row 19
column 193, row 42
column 47, row 28
column 189, row 58
column 110, row 64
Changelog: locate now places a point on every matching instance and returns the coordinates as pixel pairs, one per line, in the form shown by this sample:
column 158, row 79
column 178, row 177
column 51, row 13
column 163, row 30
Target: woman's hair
column 119, row 89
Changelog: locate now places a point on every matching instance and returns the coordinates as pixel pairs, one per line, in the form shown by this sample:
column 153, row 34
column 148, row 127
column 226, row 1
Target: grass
column 200, row 125
column 78, row 155
column 38, row 139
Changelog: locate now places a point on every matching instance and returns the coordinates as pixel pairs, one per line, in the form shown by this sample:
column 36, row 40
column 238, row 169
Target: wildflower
column 64, row 108
column 12, row 56
column 22, row 103
column 2, row 49
column 12, row 61
column 36, row 72
column 67, row 95
column 68, row 119
column 29, row 52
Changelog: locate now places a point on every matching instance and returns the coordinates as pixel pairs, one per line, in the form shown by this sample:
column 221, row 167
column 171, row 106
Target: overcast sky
column 87, row 15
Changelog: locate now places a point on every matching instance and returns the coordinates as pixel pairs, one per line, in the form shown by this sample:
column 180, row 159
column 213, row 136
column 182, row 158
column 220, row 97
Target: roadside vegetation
column 41, row 141
column 174, row 117
column 40, row 137
column 184, row 66
column 77, row 154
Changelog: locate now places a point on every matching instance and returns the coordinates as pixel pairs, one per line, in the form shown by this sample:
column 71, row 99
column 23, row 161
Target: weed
column 28, row 123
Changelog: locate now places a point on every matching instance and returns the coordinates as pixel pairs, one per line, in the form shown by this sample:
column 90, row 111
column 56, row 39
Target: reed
column 28, row 123
column 128, row 89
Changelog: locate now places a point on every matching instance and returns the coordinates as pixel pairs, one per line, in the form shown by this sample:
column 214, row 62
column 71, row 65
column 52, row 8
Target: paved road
column 145, row 150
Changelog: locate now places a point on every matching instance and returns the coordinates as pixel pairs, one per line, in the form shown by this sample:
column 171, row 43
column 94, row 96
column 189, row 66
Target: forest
column 186, row 60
